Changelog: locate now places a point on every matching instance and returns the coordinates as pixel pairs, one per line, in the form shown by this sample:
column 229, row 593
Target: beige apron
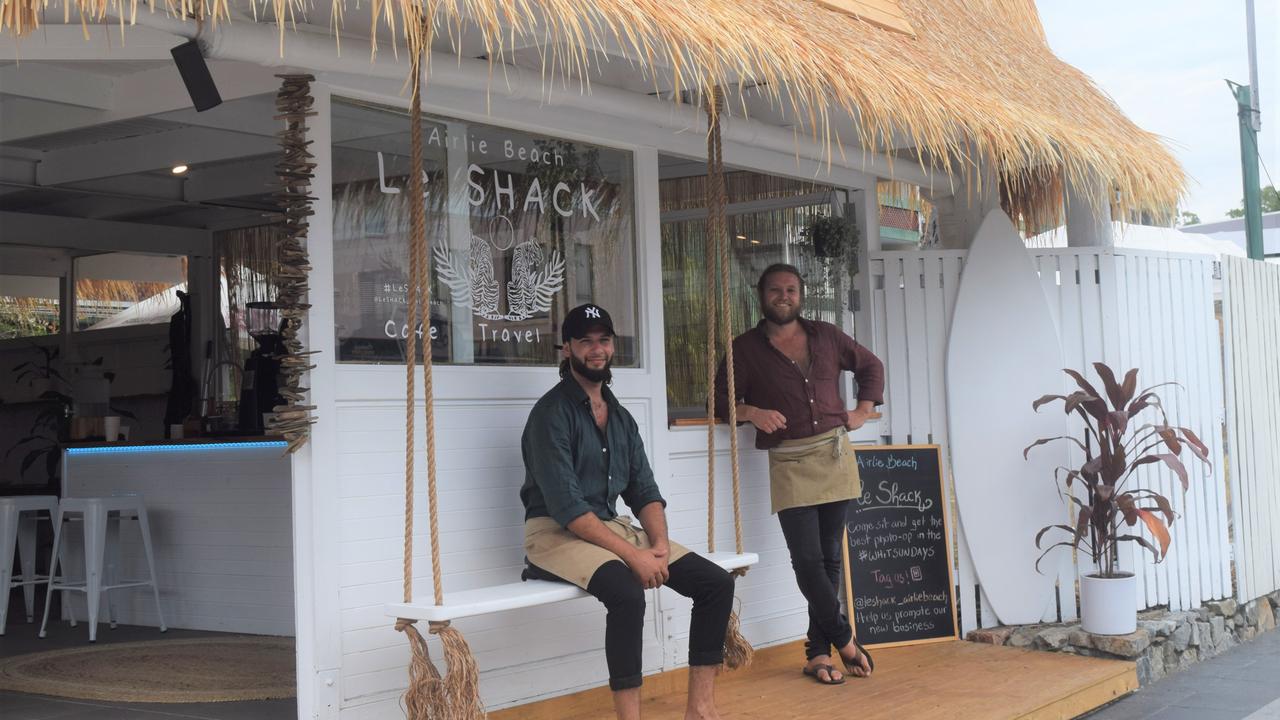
column 565, row 555
column 813, row 471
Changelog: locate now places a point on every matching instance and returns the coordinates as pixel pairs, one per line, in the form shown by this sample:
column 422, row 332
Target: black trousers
column 813, row 535
column 693, row 576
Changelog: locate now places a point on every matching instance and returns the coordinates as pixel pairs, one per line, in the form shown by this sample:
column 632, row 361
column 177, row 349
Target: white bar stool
column 101, row 517
column 18, row 518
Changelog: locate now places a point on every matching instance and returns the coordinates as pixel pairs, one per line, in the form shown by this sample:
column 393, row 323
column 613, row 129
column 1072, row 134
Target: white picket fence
column 1251, row 315
column 1153, row 311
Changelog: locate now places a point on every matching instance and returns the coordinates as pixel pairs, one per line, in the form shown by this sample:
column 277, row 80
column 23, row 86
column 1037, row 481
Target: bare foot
column 817, row 666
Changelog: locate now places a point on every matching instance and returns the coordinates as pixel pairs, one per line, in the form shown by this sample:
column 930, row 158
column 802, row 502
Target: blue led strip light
column 192, row 447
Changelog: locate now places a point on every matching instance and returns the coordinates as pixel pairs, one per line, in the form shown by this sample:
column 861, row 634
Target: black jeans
column 693, row 576
column 813, row 535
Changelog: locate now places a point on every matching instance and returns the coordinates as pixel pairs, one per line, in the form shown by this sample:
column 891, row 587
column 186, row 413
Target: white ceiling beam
column 141, row 94
column 56, row 84
column 231, row 180
column 104, row 43
column 101, row 235
column 189, row 146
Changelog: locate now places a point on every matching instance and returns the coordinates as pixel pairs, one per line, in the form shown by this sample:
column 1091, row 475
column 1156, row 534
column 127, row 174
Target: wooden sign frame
column 947, row 540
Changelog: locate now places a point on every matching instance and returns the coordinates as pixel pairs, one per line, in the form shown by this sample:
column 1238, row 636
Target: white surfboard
column 1003, row 352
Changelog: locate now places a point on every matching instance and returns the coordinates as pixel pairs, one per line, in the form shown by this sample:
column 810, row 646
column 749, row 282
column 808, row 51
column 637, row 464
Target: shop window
column 767, row 221
column 124, row 289
column 29, row 306
column 521, row 228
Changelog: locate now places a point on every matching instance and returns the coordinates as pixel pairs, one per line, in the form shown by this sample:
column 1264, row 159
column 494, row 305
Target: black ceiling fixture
column 195, row 75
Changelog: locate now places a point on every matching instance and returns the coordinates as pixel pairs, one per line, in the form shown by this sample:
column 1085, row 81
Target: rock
column 1226, row 608
column 1188, row 658
column 1275, row 600
column 1203, row 614
column 992, row 636
column 1181, row 637
column 1217, row 629
column 1155, row 665
column 1170, row 657
column 1053, row 638
column 1079, row 638
column 1266, row 615
column 1245, row 634
column 1024, row 637
column 1251, row 611
column 1125, row 646
column 1158, row 628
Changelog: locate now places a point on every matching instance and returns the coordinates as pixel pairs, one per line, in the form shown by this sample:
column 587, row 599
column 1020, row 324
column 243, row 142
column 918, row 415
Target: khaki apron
column 813, row 470
column 565, row 555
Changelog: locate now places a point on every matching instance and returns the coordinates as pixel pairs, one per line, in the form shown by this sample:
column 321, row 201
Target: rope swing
column 456, row 694
column 737, row 651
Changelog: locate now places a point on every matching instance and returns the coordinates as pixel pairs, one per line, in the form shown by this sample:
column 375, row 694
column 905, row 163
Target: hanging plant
column 834, row 237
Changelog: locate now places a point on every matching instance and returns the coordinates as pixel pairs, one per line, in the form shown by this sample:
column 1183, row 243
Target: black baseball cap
column 582, row 319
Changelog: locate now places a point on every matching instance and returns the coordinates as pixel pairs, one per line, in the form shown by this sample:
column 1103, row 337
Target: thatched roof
column 955, row 79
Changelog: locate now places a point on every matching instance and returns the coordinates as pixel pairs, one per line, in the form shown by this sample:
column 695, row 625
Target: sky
column 1163, row 62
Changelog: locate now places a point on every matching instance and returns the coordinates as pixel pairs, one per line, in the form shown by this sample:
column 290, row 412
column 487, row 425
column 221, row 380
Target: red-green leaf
column 1199, row 448
column 1158, row 530
column 1096, row 408
column 1045, row 399
column 1170, row 439
column 1129, row 386
column 1114, row 393
column 1177, row 467
column 1042, row 441
column 1128, row 508
column 1143, row 542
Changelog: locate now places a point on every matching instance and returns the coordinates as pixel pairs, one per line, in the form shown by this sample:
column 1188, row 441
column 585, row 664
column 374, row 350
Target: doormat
column 195, row 670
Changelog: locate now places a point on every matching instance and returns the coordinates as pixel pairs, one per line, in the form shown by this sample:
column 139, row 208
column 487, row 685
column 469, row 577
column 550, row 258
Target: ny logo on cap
column 593, row 312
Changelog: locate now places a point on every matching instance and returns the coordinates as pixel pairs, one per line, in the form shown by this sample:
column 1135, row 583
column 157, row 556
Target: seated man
column 582, row 450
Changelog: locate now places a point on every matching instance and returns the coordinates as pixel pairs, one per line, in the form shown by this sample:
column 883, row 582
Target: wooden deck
column 940, row 680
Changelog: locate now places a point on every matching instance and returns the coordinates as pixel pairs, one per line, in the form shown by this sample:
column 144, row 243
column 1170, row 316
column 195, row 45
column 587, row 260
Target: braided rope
column 417, row 224
column 712, row 239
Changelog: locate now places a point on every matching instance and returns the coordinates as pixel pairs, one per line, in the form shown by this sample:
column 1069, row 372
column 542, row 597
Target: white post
column 1088, row 213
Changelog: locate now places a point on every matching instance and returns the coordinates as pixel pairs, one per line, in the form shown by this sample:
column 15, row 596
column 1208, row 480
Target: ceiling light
column 179, row 170
column 755, row 242
column 741, row 237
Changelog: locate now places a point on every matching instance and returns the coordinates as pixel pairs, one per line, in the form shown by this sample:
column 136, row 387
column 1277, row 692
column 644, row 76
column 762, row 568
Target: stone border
column 1164, row 643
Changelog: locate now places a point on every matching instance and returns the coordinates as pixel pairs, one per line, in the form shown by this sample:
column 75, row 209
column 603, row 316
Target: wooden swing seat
column 529, row 593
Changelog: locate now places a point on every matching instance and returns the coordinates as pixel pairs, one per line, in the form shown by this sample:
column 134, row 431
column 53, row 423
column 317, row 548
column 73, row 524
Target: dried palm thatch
column 974, row 81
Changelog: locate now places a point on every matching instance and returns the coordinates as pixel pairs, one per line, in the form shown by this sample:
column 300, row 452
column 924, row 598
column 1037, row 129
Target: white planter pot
column 1108, row 606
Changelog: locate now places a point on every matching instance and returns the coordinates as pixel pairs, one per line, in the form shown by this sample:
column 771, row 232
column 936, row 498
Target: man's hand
column 856, row 418
column 769, row 421
column 649, row 570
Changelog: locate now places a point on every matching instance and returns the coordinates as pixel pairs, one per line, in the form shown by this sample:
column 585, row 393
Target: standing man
column 582, row 450
column 787, row 378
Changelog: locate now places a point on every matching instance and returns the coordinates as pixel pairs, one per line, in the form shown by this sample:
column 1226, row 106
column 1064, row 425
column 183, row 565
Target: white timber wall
column 349, row 480
column 1251, row 297
column 1152, row 311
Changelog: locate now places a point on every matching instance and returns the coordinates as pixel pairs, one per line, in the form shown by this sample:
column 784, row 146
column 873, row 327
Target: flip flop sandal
column 849, row 666
column 813, row 673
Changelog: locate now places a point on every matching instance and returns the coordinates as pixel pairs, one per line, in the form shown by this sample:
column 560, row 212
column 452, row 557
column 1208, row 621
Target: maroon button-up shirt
column 766, row 378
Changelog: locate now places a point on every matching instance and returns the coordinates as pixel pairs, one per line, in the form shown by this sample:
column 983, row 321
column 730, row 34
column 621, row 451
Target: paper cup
column 111, row 427
column 175, row 431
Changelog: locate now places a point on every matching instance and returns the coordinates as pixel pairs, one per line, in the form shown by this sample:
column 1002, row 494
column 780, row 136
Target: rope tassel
column 737, row 651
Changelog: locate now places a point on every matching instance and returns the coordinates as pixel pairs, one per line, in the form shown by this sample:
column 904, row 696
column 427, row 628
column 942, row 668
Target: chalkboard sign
column 897, row 547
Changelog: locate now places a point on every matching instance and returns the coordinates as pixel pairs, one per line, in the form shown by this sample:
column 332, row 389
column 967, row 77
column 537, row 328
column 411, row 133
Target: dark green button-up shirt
column 572, row 467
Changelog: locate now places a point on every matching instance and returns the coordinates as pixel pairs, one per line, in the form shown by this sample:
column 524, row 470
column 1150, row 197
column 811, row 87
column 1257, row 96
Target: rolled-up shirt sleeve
column 641, row 488
column 868, row 371
column 548, row 456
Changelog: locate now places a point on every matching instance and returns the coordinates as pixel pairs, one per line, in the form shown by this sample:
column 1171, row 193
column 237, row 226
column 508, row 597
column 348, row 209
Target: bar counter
column 221, row 524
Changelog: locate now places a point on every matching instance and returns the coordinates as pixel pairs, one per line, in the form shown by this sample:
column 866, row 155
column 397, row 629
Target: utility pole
column 1247, row 109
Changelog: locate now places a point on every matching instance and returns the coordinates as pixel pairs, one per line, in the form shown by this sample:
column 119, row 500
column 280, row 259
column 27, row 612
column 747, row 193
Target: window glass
column 521, row 228
column 29, row 306
column 767, row 221
column 124, row 289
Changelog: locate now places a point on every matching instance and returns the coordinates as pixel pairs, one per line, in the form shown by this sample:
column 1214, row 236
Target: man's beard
column 781, row 317
column 601, row 375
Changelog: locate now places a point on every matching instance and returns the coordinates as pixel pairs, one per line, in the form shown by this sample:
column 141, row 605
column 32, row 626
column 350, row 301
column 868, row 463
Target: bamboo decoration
column 294, row 171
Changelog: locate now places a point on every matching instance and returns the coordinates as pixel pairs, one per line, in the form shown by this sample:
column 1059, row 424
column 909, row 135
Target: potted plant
column 40, row 374
column 834, row 237
column 1115, row 444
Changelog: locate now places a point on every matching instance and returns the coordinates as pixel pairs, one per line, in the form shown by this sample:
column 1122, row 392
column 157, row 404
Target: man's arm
column 868, row 372
column 648, row 569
